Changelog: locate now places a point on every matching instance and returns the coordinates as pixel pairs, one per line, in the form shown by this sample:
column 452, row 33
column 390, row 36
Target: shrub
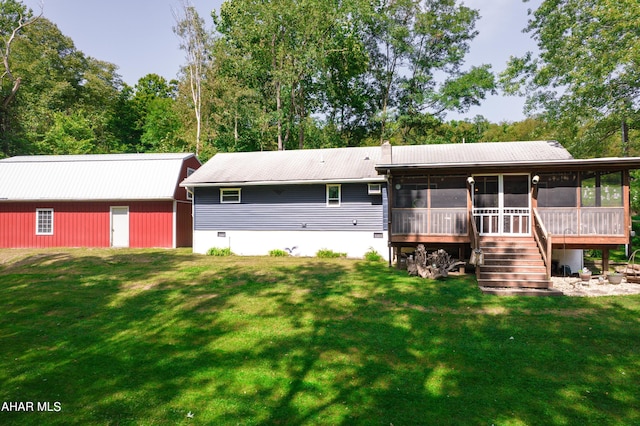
column 373, row 256
column 278, row 253
column 326, row 254
column 216, row 251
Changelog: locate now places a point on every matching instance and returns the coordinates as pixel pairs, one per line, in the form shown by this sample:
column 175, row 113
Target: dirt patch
column 572, row 286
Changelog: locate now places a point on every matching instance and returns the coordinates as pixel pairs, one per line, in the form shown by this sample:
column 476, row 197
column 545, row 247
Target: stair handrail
column 475, row 238
column 475, row 235
column 543, row 240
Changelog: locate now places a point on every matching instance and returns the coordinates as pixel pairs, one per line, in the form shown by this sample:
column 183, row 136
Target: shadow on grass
column 130, row 337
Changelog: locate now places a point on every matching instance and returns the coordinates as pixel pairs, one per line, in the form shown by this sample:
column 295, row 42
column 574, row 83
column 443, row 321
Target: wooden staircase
column 513, row 265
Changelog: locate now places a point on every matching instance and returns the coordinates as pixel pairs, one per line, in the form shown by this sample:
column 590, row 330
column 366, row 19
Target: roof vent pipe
column 387, row 155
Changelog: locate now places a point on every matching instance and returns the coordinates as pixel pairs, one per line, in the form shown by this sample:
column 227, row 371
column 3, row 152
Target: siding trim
column 234, row 184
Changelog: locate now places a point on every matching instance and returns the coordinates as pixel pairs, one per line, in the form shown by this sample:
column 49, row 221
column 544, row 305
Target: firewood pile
column 432, row 265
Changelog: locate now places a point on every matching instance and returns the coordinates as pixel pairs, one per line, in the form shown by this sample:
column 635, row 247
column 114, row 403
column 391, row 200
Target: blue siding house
column 520, row 203
column 300, row 201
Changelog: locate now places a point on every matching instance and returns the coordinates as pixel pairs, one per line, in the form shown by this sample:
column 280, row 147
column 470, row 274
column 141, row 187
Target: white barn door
column 119, row 226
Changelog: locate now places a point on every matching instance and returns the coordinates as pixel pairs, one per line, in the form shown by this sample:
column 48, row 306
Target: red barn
column 110, row 200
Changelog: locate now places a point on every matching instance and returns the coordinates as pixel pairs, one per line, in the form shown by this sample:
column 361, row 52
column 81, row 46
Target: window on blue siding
column 44, row 221
column 229, row 195
column 333, row 195
column 375, row 189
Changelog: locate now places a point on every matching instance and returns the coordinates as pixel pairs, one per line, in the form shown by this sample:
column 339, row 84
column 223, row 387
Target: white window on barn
column 333, row 195
column 44, row 221
column 230, row 195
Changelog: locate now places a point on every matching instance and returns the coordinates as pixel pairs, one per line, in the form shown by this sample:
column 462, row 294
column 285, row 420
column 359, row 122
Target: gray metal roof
column 307, row 165
column 478, row 153
column 345, row 164
column 91, row 177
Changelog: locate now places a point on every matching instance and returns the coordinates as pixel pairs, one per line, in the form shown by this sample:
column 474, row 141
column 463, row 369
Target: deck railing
column 430, row 221
column 583, row 221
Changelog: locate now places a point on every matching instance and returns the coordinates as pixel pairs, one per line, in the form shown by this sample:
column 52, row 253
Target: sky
column 137, row 36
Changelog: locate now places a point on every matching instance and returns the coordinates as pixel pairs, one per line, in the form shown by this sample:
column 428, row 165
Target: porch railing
column 429, row 221
column 543, row 239
column 493, row 220
column 583, row 221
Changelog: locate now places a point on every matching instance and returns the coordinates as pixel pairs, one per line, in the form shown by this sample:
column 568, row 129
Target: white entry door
column 119, row 226
column 502, row 204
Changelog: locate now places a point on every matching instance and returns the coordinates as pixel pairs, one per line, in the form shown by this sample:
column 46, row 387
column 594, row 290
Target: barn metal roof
column 348, row 164
column 91, row 177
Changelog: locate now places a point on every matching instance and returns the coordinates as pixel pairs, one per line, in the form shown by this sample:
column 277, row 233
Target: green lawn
column 141, row 337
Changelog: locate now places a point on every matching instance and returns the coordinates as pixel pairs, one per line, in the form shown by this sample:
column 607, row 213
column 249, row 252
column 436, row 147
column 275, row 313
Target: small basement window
column 333, row 195
column 229, row 195
column 44, row 221
column 375, row 189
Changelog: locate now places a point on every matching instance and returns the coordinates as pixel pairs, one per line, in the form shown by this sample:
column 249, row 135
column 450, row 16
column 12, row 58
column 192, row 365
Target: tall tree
column 157, row 120
column 196, row 42
column 409, row 43
column 286, row 40
column 59, row 79
column 587, row 72
column 358, row 65
column 14, row 17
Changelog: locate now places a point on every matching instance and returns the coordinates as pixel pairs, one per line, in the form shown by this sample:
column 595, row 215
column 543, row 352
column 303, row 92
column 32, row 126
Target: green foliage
column 64, row 94
column 278, row 253
column 162, row 128
column 635, row 191
column 317, row 74
column 585, row 77
column 373, row 256
column 329, row 254
column 370, row 71
column 218, row 251
column 70, row 134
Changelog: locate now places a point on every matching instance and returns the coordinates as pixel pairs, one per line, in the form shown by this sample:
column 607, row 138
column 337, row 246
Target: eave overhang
column 616, row 163
column 373, row 179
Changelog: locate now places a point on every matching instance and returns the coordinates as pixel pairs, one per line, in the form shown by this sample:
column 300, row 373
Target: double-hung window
column 44, row 221
column 333, row 195
column 230, row 195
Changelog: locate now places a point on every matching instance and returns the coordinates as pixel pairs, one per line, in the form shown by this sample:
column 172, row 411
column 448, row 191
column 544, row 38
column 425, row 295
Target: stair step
column 513, row 262
column 521, row 291
column 515, row 283
column 524, row 243
column 512, row 255
column 520, row 269
column 512, row 266
column 512, row 277
column 510, row 249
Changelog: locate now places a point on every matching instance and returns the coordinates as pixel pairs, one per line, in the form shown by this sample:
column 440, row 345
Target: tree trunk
column 278, row 111
column 433, row 266
column 302, row 119
column 625, row 138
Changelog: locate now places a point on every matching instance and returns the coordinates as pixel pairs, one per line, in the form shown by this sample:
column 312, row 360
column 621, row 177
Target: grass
column 142, row 337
